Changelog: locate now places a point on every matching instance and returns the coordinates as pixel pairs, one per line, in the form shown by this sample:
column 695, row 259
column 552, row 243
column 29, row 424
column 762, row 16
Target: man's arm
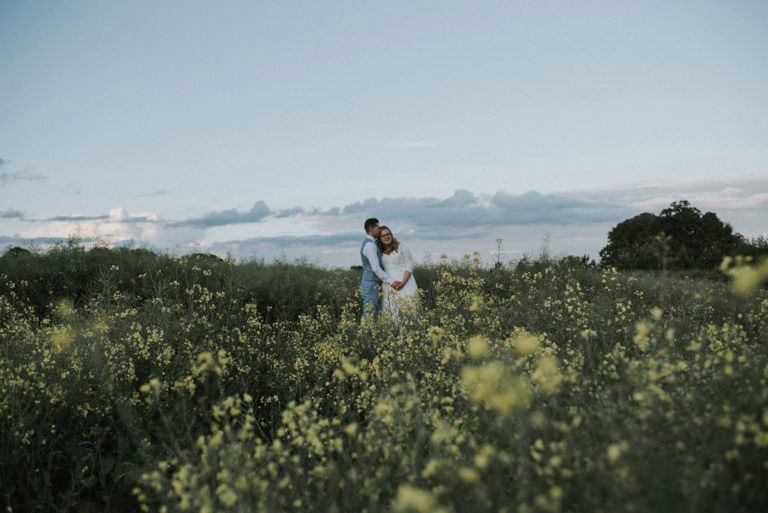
column 370, row 252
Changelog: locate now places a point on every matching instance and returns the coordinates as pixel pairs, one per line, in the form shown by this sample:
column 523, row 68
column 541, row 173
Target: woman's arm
column 407, row 264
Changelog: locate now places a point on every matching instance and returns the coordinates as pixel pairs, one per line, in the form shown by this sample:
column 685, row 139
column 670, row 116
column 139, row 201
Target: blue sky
column 271, row 129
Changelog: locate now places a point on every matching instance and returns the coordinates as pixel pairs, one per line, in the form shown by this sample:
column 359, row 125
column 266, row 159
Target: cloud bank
column 465, row 209
column 576, row 221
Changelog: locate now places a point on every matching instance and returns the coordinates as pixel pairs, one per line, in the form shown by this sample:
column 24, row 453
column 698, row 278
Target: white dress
column 395, row 264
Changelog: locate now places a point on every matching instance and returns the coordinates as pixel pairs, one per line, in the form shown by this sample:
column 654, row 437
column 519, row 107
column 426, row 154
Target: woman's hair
column 393, row 245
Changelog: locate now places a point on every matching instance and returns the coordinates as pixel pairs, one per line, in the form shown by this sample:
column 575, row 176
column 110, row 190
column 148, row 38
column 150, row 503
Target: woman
column 398, row 262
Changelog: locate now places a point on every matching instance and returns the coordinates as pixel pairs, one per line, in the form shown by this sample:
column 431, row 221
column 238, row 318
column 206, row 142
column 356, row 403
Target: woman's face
column 386, row 237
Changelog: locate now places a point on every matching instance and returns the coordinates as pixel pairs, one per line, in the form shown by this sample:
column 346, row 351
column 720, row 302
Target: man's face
column 374, row 231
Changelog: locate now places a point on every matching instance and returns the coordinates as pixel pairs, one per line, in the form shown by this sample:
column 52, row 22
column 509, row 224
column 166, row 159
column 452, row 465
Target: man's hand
column 396, row 285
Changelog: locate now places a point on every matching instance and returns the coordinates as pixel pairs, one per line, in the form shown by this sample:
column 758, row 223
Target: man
column 373, row 272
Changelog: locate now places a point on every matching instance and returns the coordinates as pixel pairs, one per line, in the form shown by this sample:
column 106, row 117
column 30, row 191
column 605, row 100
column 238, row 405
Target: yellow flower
column 468, row 475
column 62, row 338
column 489, row 384
column 547, row 374
column 614, row 453
column 348, row 367
column 615, row 450
column 641, row 335
column 746, row 278
column 435, row 334
column 525, row 343
column 227, row 496
column 477, row 347
column 65, row 308
column 410, row 498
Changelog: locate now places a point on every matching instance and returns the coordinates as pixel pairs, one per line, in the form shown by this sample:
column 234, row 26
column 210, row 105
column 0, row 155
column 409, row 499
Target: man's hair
column 370, row 222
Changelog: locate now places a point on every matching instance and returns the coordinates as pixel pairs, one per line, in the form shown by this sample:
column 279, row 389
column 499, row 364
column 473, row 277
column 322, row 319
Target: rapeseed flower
column 410, row 499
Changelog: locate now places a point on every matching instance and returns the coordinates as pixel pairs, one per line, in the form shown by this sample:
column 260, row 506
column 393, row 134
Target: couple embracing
column 387, row 270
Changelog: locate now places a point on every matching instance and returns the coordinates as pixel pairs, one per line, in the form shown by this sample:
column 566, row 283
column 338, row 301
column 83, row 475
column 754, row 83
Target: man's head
column 371, row 226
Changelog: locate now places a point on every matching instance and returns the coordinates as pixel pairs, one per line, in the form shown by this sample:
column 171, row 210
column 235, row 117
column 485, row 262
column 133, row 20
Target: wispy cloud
column 74, row 188
column 289, row 212
column 19, row 176
column 73, row 218
column 740, row 194
column 3, row 162
column 302, row 240
column 116, row 215
column 227, row 217
column 154, row 194
column 11, row 214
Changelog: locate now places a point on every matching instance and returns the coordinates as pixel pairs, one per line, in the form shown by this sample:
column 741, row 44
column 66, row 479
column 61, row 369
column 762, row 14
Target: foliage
column 280, row 291
column 681, row 237
column 168, row 384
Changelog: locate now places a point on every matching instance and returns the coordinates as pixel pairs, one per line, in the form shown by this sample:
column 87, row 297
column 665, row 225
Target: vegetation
column 130, row 380
column 681, row 237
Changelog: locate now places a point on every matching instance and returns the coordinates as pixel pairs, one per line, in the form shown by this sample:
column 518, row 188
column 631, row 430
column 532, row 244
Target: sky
column 273, row 129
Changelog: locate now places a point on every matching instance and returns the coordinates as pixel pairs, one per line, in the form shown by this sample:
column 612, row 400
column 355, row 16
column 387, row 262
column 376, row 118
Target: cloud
column 3, row 162
column 227, row 217
column 18, row 176
column 115, row 215
column 303, row 240
column 117, row 226
column 153, row 194
column 465, row 209
column 75, row 218
column 462, row 222
column 737, row 194
column 462, row 216
column 11, row 214
column 74, row 188
column 289, row 212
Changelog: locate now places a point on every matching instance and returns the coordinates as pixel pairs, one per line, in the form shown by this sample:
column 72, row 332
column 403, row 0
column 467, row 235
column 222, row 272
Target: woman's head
column 387, row 242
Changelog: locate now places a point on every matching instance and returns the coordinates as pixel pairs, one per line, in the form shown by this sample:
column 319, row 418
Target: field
column 130, row 380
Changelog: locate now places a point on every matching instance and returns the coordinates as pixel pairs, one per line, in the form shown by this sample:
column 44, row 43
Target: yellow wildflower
column 410, row 498
column 477, row 346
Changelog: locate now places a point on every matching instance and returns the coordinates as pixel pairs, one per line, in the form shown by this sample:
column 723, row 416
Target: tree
column 681, row 237
column 632, row 244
